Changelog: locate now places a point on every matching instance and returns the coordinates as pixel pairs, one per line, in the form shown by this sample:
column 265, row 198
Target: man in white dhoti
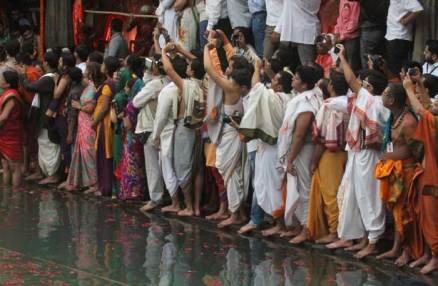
column 361, row 211
column 295, row 147
column 146, row 102
column 262, row 121
column 187, row 80
column 230, row 155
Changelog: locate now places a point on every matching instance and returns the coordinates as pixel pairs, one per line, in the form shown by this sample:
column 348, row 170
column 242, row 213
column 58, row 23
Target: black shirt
column 373, row 14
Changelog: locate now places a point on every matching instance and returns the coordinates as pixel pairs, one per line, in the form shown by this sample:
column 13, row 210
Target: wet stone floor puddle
column 53, row 238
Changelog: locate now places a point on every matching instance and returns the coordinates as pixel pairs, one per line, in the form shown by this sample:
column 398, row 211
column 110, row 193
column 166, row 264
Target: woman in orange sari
column 11, row 126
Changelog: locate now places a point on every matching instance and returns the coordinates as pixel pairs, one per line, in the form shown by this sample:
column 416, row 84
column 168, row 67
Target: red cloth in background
column 328, row 15
column 78, row 22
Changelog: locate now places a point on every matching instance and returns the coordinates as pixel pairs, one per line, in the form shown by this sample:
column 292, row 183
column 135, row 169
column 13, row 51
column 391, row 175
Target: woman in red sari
column 11, row 127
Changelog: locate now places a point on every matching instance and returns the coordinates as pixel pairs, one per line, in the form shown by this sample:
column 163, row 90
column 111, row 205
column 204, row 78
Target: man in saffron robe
column 427, row 133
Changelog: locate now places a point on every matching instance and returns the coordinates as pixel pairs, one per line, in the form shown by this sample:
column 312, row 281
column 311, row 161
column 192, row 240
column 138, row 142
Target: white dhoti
column 183, row 151
column 153, row 171
column 230, row 163
column 361, row 210
column 49, row 154
column 298, row 187
column 166, row 159
column 268, row 178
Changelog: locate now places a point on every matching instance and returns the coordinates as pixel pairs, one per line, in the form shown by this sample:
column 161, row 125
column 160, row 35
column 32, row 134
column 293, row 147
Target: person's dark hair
column 95, row 74
column 11, row 77
column 240, row 62
column 12, row 48
column 112, row 65
column 288, row 57
column 2, row 53
column 413, row 64
column 28, row 48
column 431, row 83
column 340, row 85
column 378, row 80
column 179, row 64
column 52, row 59
column 242, row 77
column 116, row 25
column 276, row 65
column 309, row 75
column 83, row 52
column 197, row 67
column 95, row 57
column 68, row 60
column 24, row 58
column 247, row 34
column 398, row 92
column 432, row 45
column 135, row 65
column 319, row 71
column 75, row 74
column 285, row 80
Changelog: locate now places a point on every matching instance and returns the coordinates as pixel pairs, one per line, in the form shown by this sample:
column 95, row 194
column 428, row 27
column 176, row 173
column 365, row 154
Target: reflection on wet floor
column 52, row 238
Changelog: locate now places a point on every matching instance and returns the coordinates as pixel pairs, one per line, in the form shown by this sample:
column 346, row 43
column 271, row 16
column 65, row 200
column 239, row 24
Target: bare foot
column 69, row 188
column 62, row 185
column 277, row 229
column 170, row 209
column 217, row 216
column 421, row 261
column 357, row 247
column 291, row 233
column 197, row 212
column 340, row 244
column 49, row 180
column 89, row 191
column 327, row 239
column 368, row 250
column 393, row 253
column 302, row 237
column 186, row 212
column 431, row 266
column 148, row 206
column 34, row 177
column 403, row 259
column 232, row 220
column 247, row 228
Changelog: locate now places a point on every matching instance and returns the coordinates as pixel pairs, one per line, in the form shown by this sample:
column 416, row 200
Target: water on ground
column 53, row 238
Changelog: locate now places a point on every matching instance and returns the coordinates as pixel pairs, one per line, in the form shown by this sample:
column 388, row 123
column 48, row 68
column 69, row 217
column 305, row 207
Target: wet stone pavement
column 54, row 238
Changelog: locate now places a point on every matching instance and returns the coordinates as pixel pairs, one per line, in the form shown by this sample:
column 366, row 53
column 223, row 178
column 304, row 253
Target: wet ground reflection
column 72, row 240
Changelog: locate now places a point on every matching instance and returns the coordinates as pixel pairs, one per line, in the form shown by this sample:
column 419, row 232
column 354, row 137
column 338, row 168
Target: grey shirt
column 117, row 47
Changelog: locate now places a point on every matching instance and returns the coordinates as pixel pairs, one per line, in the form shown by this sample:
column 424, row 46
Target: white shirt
column 299, row 22
column 251, row 146
column 144, row 99
column 200, row 5
column 215, row 10
column 238, row 12
column 430, row 69
column 273, row 10
column 397, row 10
column 82, row 66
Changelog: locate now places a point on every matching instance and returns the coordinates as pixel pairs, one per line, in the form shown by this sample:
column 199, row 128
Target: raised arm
column 257, row 71
column 410, row 90
column 168, row 68
column 225, row 84
column 350, row 77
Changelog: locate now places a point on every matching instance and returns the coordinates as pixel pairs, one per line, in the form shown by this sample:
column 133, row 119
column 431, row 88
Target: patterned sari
column 82, row 171
column 131, row 170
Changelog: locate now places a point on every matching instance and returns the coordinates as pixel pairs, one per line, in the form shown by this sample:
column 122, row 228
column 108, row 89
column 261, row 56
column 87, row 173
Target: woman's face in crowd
column 275, row 83
column 387, row 99
column 189, row 70
column 239, row 38
column 297, row 83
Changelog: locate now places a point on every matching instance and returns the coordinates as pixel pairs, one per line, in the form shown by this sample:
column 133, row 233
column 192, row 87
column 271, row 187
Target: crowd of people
column 243, row 112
